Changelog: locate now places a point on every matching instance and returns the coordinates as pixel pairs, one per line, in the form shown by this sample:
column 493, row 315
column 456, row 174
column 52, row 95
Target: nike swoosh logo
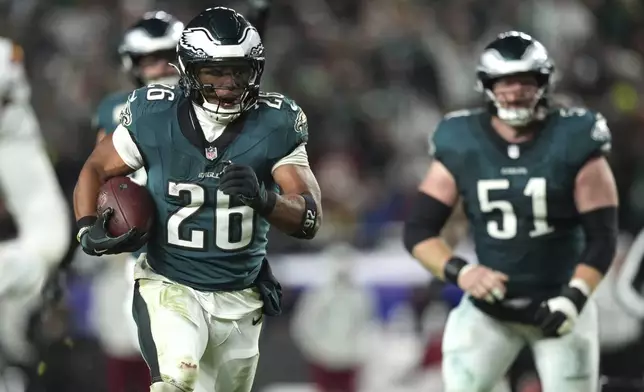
column 257, row 320
column 132, row 97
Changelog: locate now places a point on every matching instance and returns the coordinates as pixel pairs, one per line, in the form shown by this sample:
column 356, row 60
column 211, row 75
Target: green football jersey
column 519, row 198
column 109, row 111
column 203, row 238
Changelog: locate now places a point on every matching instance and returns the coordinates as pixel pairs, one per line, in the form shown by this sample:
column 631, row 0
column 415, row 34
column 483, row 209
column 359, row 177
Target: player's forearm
column 591, row 276
column 600, row 229
column 289, row 215
column 86, row 191
column 433, row 254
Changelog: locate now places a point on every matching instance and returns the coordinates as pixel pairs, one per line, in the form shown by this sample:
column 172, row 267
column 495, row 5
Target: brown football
column 132, row 205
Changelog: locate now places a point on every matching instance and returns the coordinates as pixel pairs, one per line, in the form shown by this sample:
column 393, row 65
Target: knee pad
column 164, row 387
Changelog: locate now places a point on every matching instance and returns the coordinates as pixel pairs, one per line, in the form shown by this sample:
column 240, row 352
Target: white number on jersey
column 273, row 100
column 158, row 91
column 535, row 189
column 225, row 217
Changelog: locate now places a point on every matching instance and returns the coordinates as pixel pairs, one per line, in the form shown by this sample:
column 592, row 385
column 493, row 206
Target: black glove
column 557, row 316
column 96, row 241
column 241, row 181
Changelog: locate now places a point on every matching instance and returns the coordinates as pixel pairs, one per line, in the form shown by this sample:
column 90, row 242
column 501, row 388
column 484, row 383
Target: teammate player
column 542, row 204
column 224, row 162
column 31, row 194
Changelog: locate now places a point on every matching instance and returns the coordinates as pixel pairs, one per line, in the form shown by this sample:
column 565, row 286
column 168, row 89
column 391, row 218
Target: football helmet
column 216, row 42
column 514, row 53
column 155, row 34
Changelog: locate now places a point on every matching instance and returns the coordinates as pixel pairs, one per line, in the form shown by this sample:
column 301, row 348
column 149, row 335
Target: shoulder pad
column 588, row 134
column 450, row 131
column 150, row 99
column 287, row 122
column 452, row 138
column 289, row 117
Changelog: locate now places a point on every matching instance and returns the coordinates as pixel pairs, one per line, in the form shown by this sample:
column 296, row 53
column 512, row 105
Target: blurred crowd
column 374, row 77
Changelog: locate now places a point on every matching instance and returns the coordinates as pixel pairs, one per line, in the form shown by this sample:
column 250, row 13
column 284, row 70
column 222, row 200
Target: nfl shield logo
column 211, row 153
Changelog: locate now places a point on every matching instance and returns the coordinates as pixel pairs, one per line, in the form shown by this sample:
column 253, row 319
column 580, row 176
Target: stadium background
column 374, row 77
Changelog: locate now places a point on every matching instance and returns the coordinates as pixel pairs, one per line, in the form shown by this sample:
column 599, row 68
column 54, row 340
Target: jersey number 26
column 234, row 225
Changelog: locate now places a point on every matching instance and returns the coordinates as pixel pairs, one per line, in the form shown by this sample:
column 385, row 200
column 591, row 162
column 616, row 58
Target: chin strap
column 217, row 114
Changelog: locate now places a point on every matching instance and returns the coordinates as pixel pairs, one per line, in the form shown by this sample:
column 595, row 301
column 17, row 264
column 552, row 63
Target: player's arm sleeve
column 30, row 188
column 297, row 157
column 126, row 148
column 293, row 146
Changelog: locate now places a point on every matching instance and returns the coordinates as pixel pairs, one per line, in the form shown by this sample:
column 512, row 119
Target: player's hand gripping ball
column 125, row 217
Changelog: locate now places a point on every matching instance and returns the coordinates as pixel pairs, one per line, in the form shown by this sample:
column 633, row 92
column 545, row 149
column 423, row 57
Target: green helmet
column 221, row 37
column 514, row 53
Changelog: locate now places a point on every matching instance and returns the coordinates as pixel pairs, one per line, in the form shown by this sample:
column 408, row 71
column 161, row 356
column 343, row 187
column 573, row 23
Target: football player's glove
column 96, row 241
column 557, row 316
column 241, row 181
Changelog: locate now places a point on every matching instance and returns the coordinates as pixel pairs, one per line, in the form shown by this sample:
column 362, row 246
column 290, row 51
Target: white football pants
column 478, row 350
column 187, row 347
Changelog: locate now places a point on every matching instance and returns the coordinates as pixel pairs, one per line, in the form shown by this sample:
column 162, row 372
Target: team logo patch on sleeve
column 301, row 123
column 125, row 118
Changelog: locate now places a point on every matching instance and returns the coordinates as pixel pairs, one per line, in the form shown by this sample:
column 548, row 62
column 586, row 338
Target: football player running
column 542, row 204
column 147, row 52
column 31, row 194
column 224, row 163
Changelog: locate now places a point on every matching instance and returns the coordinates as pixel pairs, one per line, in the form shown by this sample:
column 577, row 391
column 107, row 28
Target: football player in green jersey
column 146, row 50
column 224, row 163
column 542, row 204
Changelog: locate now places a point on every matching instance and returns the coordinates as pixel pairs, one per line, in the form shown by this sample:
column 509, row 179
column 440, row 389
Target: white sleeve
column 297, row 157
column 30, row 188
column 126, row 148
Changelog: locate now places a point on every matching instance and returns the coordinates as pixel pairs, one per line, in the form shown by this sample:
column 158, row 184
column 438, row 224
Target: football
column 132, row 205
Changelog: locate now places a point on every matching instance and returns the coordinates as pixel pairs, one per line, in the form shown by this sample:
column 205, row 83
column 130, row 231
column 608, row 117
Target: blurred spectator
column 331, row 326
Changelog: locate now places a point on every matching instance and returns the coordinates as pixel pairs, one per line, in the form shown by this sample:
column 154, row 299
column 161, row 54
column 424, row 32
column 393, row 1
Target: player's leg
column 477, row 350
column 230, row 362
column 173, row 334
column 571, row 363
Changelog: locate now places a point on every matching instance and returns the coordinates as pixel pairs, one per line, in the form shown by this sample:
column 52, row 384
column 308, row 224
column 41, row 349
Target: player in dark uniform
column 224, row 163
column 542, row 205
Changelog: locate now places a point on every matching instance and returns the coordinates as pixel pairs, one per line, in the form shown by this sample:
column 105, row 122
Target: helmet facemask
column 518, row 106
column 223, row 87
